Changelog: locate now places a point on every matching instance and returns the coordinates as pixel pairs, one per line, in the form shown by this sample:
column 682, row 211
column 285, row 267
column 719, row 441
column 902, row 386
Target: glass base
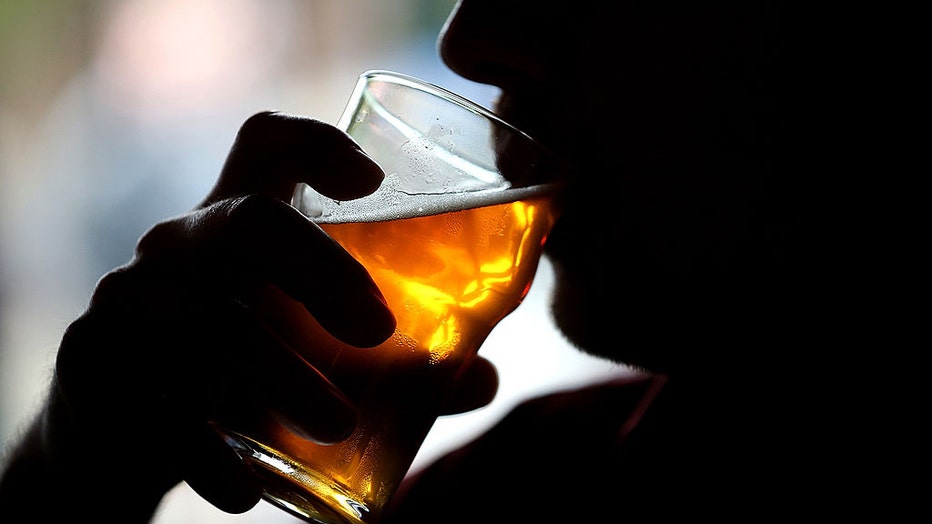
column 299, row 491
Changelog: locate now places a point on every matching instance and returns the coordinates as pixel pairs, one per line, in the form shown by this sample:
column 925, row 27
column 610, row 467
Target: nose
column 498, row 42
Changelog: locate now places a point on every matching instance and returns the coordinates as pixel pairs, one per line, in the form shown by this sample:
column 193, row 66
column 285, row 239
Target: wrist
column 59, row 473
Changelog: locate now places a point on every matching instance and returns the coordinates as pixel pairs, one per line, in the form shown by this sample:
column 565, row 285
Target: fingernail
column 372, row 169
column 352, row 174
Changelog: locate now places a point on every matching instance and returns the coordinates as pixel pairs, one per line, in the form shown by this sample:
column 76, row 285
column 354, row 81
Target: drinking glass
column 453, row 238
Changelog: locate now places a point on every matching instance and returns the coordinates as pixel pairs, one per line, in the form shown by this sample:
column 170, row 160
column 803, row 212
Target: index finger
column 273, row 152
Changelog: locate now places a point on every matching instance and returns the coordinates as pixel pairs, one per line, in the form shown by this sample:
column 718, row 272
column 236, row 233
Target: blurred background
column 117, row 114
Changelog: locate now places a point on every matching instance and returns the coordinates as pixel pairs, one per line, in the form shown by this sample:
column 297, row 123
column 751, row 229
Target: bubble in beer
column 453, row 224
column 404, row 341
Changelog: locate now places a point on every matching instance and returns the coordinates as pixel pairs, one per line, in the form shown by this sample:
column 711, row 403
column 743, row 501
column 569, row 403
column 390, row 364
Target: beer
column 452, row 237
column 449, row 276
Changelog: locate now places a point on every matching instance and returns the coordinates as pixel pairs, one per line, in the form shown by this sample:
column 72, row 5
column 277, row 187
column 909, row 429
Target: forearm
column 54, row 473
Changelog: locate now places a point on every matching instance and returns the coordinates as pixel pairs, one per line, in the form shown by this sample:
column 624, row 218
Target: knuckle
column 250, row 209
column 259, row 124
column 161, row 236
column 116, row 283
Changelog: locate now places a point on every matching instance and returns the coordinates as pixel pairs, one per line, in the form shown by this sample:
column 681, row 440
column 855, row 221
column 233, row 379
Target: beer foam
column 389, row 202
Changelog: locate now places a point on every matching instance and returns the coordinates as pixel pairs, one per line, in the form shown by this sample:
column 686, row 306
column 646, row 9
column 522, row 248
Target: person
column 676, row 254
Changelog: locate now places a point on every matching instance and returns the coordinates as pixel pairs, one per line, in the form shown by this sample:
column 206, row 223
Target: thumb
column 273, row 152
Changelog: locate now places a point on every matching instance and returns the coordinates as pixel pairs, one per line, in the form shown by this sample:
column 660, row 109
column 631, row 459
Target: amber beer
column 449, row 277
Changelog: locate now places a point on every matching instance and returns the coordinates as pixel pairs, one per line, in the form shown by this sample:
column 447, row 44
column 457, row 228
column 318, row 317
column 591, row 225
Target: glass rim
column 442, row 92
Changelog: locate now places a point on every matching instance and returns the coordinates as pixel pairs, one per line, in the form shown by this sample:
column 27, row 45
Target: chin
column 593, row 317
column 624, row 309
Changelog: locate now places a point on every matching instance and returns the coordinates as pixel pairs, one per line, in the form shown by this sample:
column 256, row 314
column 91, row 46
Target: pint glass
column 452, row 238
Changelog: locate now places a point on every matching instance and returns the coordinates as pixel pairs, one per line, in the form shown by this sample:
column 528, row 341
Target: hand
column 177, row 337
column 170, row 339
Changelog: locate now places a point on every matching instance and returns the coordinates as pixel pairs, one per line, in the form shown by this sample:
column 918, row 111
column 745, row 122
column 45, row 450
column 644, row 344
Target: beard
column 647, row 253
column 642, row 276
column 611, row 307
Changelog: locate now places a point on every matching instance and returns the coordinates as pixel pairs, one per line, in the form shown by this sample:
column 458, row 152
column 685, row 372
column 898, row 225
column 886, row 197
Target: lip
column 523, row 111
column 507, row 109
